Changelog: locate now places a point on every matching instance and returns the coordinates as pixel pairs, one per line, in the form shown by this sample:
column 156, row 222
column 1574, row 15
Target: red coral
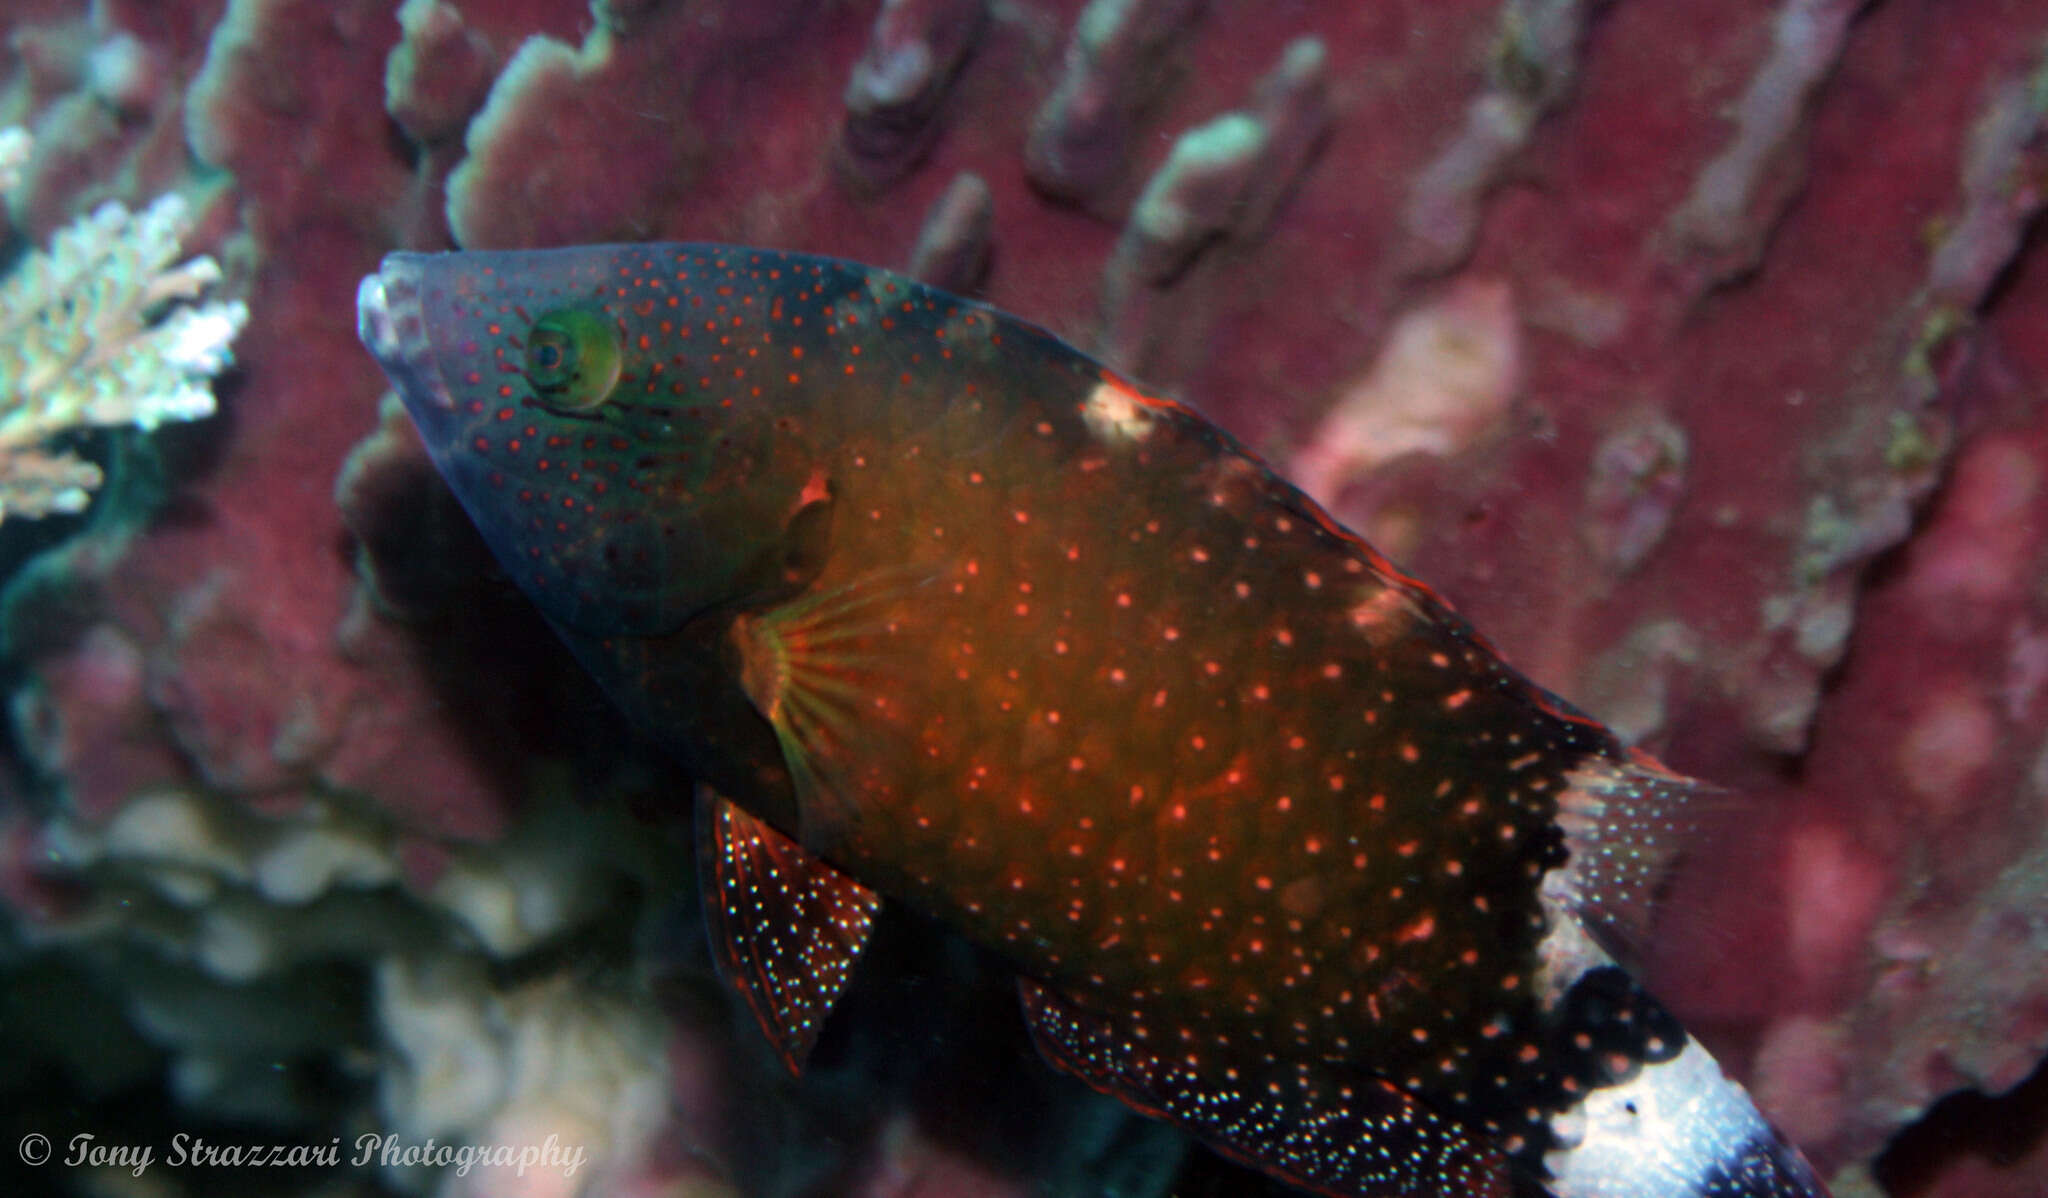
column 1771, row 285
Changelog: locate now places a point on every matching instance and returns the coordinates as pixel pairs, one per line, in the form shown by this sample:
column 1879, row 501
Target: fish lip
column 392, row 325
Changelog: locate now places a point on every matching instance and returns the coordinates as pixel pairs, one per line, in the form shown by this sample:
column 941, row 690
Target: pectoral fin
column 821, row 669
column 786, row 928
column 1329, row 1129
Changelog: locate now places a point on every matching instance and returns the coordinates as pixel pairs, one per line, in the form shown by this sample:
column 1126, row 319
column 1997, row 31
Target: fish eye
column 572, row 358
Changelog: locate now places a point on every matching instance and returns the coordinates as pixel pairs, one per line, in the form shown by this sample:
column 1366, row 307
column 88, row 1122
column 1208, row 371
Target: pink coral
column 1762, row 486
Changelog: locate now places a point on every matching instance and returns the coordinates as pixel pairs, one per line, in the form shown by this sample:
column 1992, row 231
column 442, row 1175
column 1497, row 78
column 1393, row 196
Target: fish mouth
column 391, row 322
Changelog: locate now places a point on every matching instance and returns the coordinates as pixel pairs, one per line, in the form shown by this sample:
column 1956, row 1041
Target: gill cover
column 583, row 405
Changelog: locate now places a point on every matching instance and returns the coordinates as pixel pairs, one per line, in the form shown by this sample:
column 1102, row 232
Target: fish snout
column 391, row 323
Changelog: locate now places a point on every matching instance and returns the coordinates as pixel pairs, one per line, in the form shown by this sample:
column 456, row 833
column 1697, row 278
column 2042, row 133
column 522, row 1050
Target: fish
column 941, row 612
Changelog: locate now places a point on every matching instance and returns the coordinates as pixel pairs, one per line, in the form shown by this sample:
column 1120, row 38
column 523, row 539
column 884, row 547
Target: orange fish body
column 944, row 611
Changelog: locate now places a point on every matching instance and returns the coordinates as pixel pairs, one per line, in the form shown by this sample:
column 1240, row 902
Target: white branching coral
column 102, row 330
column 14, row 147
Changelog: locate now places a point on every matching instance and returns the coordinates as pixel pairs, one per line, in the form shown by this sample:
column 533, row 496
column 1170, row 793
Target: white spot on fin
column 1116, row 414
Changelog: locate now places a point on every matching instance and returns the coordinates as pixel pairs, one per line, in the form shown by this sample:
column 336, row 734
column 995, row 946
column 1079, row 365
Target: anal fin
column 786, row 927
column 1329, row 1129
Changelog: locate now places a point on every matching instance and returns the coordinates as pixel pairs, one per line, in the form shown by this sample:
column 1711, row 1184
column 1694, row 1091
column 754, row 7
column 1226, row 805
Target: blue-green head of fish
column 600, row 414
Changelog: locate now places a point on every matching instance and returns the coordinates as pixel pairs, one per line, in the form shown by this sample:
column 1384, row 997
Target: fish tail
column 1639, row 1108
column 1680, row 1128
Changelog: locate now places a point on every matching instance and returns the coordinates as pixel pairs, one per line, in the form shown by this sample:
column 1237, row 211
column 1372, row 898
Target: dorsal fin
column 1625, row 821
column 786, row 928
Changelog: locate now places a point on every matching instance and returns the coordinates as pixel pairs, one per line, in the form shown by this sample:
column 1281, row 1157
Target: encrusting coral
column 1695, row 351
column 101, row 330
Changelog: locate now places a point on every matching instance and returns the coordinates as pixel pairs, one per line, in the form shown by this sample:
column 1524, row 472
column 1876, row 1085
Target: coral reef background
column 1695, row 351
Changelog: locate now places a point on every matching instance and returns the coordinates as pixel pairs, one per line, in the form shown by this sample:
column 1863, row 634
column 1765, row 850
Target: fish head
column 573, row 400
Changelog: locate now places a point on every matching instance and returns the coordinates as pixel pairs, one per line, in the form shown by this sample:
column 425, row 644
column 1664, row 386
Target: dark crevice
column 2002, row 1131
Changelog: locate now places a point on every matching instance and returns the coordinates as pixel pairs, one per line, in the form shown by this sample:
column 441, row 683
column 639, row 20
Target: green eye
column 572, row 358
